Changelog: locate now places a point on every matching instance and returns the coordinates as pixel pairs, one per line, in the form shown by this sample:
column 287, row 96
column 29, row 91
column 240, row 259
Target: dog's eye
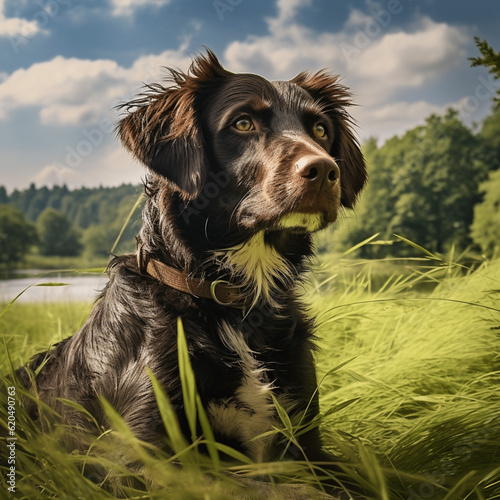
column 320, row 131
column 243, row 124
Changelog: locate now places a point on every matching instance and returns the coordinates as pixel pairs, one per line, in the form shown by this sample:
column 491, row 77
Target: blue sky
column 64, row 64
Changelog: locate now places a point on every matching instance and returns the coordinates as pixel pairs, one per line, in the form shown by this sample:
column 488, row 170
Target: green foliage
column 98, row 213
column 423, row 185
column 98, row 240
column 486, row 226
column 17, row 235
column 489, row 58
column 490, row 137
column 408, row 392
column 57, row 235
column 490, row 131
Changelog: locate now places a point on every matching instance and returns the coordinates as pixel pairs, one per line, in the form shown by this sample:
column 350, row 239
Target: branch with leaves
column 490, row 59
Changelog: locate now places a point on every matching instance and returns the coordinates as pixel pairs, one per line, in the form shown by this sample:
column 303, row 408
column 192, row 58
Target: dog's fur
column 223, row 203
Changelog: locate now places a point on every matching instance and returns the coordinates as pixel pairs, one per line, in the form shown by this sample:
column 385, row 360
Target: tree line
column 437, row 185
column 63, row 222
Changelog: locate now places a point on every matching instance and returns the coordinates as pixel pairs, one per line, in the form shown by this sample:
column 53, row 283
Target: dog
column 240, row 172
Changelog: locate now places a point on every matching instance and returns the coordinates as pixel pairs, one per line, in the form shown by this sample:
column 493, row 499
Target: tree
column 17, row 235
column 57, row 236
column 490, row 130
column 98, row 240
column 423, row 186
column 490, row 59
column 37, row 203
column 485, row 228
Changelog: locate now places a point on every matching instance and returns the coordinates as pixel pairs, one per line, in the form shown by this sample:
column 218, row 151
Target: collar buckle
column 213, row 292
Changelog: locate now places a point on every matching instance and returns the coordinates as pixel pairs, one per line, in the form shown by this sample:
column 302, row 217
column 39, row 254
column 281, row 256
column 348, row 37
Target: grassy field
column 409, row 370
column 54, row 262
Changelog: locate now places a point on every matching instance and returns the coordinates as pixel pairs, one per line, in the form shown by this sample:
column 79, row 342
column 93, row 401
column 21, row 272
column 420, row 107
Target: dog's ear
column 164, row 132
column 333, row 98
column 346, row 150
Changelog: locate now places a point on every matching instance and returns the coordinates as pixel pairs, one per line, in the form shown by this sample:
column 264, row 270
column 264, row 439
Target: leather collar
column 220, row 291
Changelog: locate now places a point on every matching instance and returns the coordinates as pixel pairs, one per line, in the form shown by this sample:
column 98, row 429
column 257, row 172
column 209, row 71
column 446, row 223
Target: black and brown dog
column 241, row 171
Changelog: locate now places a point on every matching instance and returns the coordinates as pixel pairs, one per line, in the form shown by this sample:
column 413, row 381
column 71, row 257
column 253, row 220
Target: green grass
column 37, row 261
column 410, row 395
column 54, row 262
column 423, row 374
column 31, row 328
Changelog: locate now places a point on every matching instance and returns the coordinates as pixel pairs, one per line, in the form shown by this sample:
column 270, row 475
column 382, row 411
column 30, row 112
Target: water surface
column 80, row 287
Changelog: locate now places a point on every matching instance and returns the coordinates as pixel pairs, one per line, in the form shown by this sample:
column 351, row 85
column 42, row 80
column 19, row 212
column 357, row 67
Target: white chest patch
column 256, row 266
column 250, row 412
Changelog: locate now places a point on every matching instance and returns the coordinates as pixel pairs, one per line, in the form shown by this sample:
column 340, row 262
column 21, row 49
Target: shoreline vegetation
column 53, row 263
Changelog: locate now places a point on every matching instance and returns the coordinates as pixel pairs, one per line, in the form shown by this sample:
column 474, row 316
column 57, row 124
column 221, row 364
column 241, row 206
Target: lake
column 80, row 287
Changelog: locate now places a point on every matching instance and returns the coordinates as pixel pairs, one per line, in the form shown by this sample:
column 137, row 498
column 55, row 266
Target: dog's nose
column 320, row 171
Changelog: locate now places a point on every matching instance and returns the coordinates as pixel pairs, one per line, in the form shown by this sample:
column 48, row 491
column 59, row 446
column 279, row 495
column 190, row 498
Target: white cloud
column 116, row 166
column 108, row 166
column 357, row 18
column 374, row 58
column 50, row 175
column 387, row 62
column 70, row 91
column 16, row 26
column 406, row 60
column 128, row 7
column 287, row 9
column 386, row 120
column 58, row 87
column 289, row 47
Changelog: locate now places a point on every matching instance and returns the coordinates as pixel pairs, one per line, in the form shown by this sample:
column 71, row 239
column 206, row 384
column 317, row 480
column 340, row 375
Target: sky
column 65, row 65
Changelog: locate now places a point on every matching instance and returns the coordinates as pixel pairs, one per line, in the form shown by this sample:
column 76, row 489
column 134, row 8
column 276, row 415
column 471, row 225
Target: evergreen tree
column 4, row 199
column 490, row 59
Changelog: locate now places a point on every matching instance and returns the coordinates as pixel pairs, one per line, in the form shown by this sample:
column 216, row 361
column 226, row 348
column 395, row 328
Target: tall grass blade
column 9, row 305
column 193, row 406
column 418, row 247
column 208, row 433
column 187, row 379
column 359, row 245
column 127, row 220
column 169, row 418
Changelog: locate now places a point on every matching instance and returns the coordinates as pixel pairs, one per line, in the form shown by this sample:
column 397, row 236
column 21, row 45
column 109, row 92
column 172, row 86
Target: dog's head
column 247, row 154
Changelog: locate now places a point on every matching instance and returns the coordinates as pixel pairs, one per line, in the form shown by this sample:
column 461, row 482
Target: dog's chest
column 249, row 412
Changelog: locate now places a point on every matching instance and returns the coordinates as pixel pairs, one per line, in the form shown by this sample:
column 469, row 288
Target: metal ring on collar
column 213, row 286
